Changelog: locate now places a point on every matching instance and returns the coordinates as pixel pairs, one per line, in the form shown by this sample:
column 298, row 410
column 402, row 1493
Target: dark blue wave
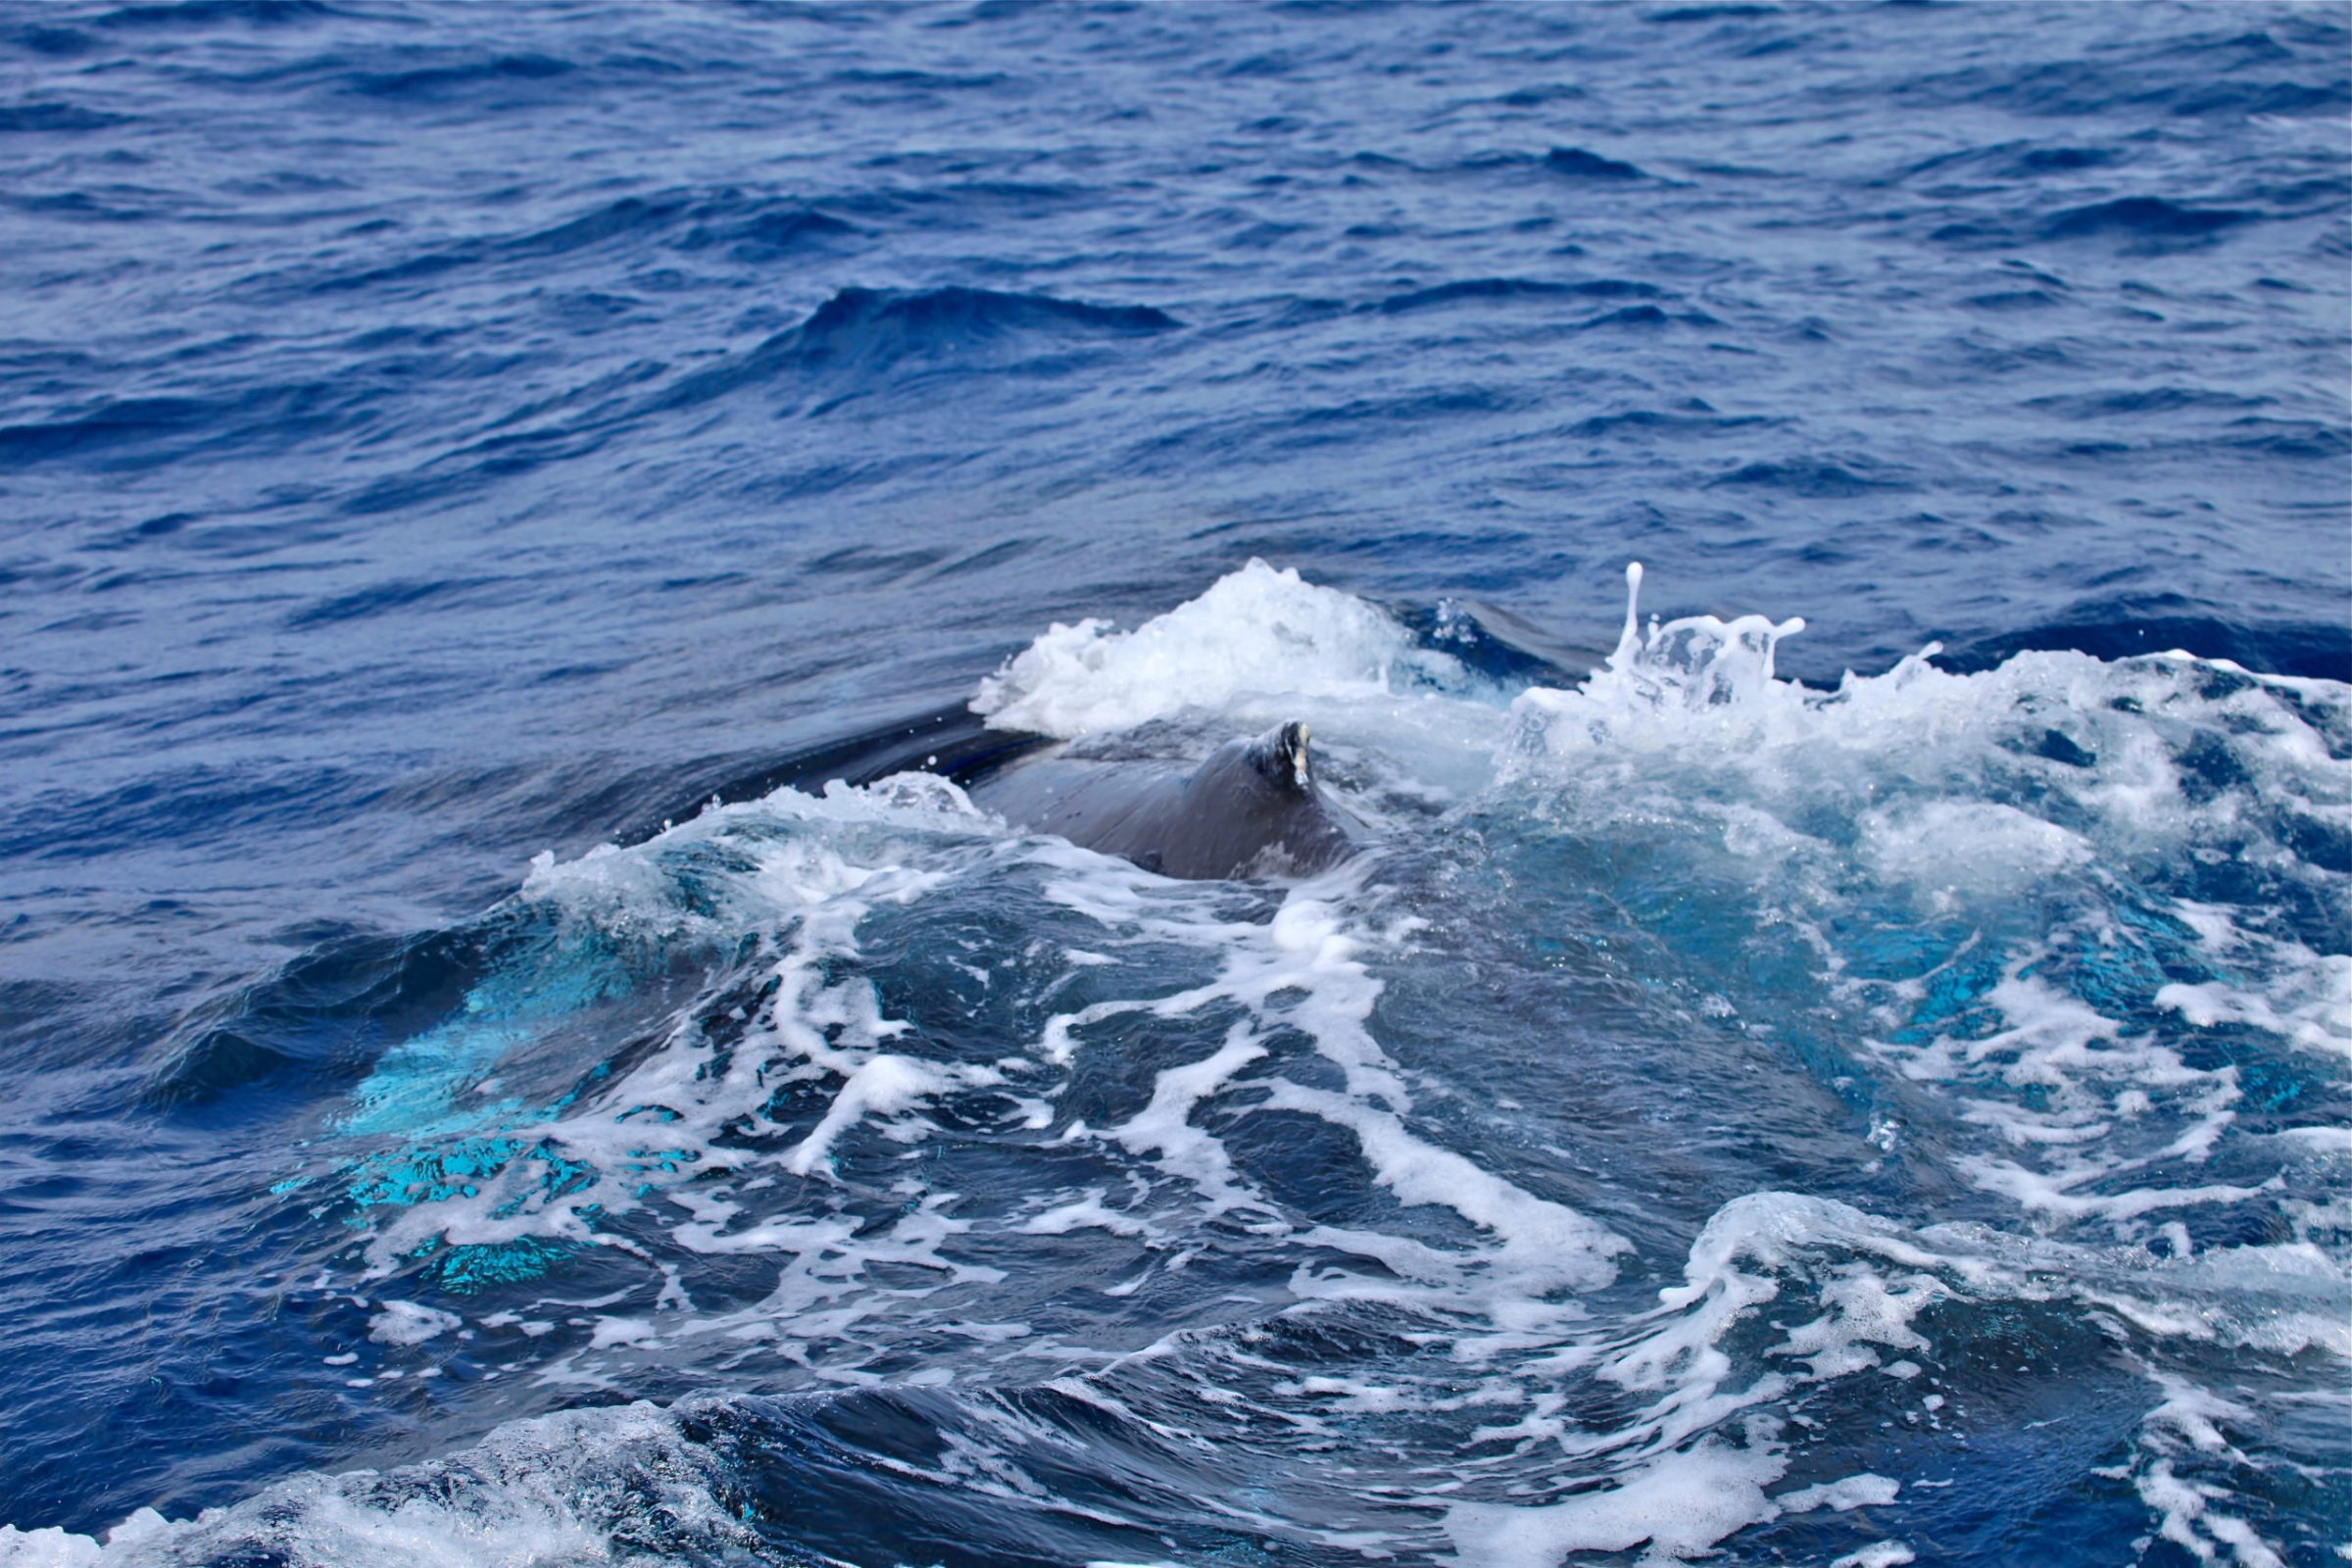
column 1691, row 419
column 1577, row 164
column 1716, row 13
column 2150, row 217
column 460, row 77
column 2129, row 626
column 166, row 427
column 864, row 329
column 1648, row 315
column 1815, row 478
column 327, row 1013
column 2195, row 75
column 199, row 15
column 1484, row 289
column 2131, row 402
column 16, row 119
column 2016, row 161
column 58, row 43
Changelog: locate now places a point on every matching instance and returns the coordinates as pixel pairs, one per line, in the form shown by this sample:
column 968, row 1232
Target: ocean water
column 518, row 525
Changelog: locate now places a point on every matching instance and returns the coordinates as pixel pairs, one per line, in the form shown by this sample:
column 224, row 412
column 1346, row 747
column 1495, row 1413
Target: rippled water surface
column 1841, row 1061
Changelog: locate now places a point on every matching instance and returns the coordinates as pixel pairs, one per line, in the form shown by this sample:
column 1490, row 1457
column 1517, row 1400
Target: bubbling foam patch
column 2154, row 755
column 719, row 1139
column 953, row 1110
column 581, row 1487
column 1679, row 1475
column 1305, row 971
column 1752, row 1396
column 1256, row 632
column 2094, row 861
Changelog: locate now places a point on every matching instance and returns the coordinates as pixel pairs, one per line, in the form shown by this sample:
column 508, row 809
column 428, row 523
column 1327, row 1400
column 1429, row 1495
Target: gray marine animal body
column 1252, row 809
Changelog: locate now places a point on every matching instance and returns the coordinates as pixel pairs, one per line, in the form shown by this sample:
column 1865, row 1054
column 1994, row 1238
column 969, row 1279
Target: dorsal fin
column 1280, row 755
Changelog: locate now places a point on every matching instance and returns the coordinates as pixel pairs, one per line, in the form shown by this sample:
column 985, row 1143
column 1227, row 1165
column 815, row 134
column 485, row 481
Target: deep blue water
column 1725, row 1110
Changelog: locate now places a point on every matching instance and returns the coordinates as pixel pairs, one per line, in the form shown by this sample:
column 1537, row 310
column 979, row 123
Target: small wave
column 2251, row 98
column 749, row 229
column 23, row 119
column 2322, row 193
column 436, row 81
column 56, row 43
column 2298, row 440
column 1691, row 419
column 920, row 81
column 2016, row 299
column 318, row 1012
column 2127, row 401
column 1537, row 97
column 764, row 231
column 2093, row 89
column 868, row 328
column 863, row 319
column 2060, row 160
column 1728, row 13
column 129, row 418
column 938, row 196
column 1578, row 163
column 200, row 13
column 174, row 427
column 2136, row 626
column 1517, row 289
column 2016, row 161
column 1814, row 478
column 851, row 337
column 617, row 219
column 1644, row 316
column 2151, row 217
column 375, row 600
column 629, row 215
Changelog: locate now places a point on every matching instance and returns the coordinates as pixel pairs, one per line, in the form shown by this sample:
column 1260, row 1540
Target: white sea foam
column 48, row 1548
column 1306, row 970
column 2279, row 985
column 1255, row 633
column 404, row 1323
column 1879, row 1555
column 1678, row 1508
column 581, row 1487
column 2090, row 1080
column 1982, row 845
column 1671, row 1481
column 1184, row 1017
column 1675, row 1478
column 2049, row 732
column 691, row 1134
column 2196, row 1514
column 809, row 870
column 2059, row 784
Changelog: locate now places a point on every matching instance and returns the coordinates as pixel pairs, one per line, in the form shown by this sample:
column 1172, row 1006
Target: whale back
column 1251, row 809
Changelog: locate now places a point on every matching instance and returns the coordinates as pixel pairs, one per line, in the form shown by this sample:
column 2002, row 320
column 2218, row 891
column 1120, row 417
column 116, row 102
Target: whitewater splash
column 1895, row 1122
